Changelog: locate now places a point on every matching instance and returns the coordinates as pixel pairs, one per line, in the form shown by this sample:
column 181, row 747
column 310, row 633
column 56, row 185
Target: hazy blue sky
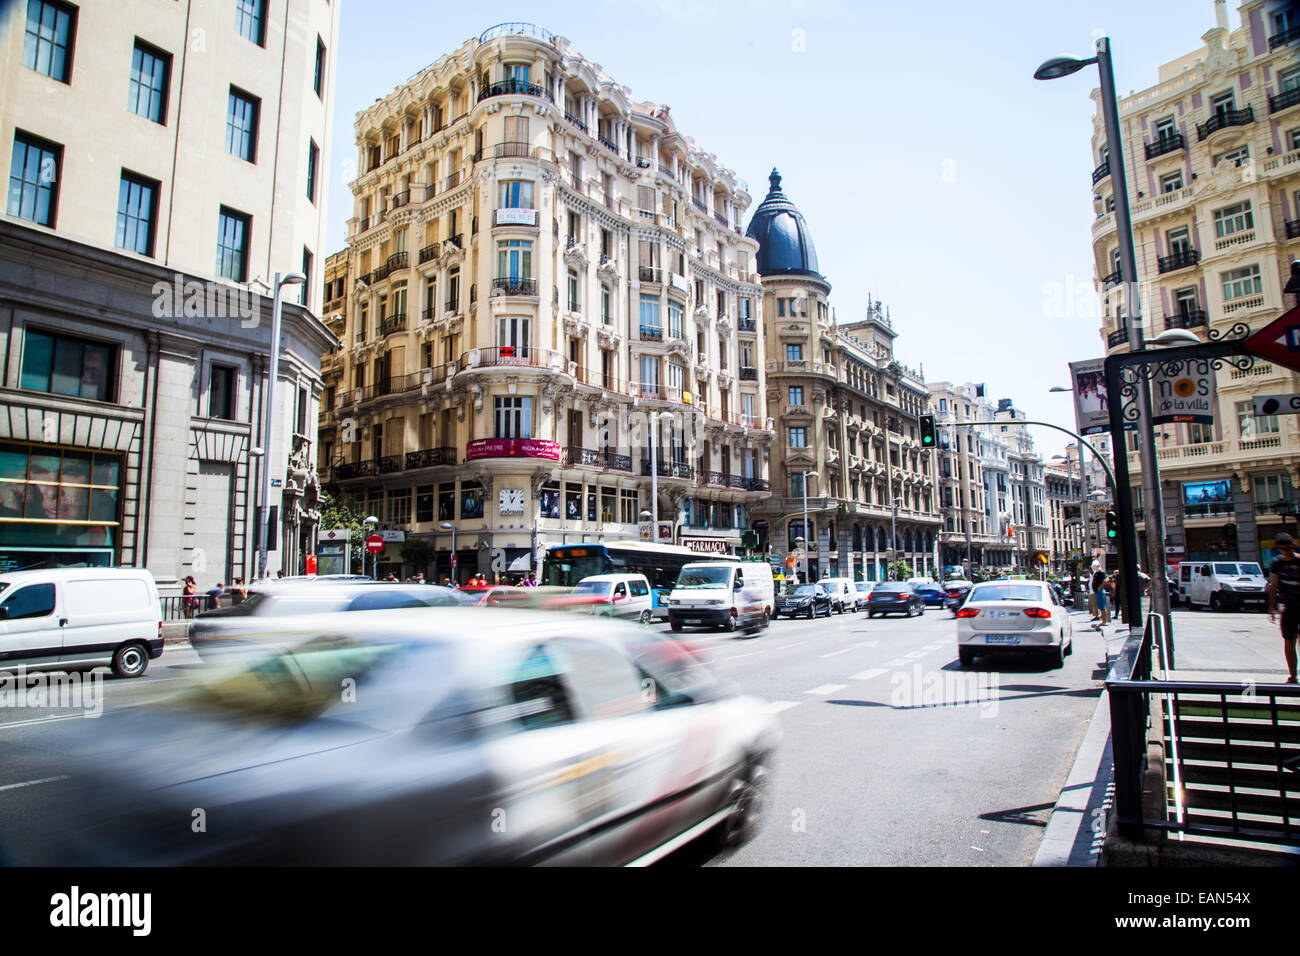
column 934, row 171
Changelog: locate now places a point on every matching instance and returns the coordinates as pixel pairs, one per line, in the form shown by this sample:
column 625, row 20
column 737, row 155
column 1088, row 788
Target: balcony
column 514, row 88
column 592, row 458
column 667, row 171
column 516, row 217
column 643, row 163
column 1190, row 319
column 1224, row 119
column 716, row 478
column 699, row 204
column 575, row 121
column 514, row 285
column 393, row 323
column 401, row 199
column 746, row 324
column 1239, row 238
column 748, row 373
column 670, row 469
column 503, row 151
column 1243, row 304
column 1282, row 39
column 609, row 144
column 650, row 274
column 1117, row 338
column 1101, row 172
column 457, row 240
column 721, row 217
column 430, row 252
column 1292, row 227
column 1283, row 100
column 398, row 260
column 1180, row 259
column 453, row 180
column 430, row 458
column 430, row 313
column 1112, row 280
column 512, row 355
column 1166, row 144
column 757, row 484
column 651, row 333
column 453, row 305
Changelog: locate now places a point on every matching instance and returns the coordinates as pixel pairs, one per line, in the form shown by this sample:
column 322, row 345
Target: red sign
column 374, row 544
column 311, row 565
column 1279, row 341
column 512, row 448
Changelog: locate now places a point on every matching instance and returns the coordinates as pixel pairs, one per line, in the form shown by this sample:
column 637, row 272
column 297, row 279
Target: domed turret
column 784, row 244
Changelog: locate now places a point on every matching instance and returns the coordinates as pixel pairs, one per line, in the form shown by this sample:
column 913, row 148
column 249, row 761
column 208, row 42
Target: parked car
column 1002, row 617
column 810, row 599
column 843, row 594
column 1227, row 586
column 895, row 597
column 954, row 594
column 242, row 626
column 862, row 595
column 76, row 619
column 588, row 741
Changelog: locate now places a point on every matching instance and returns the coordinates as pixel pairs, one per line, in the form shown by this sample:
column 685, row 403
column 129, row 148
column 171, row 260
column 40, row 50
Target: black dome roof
column 784, row 244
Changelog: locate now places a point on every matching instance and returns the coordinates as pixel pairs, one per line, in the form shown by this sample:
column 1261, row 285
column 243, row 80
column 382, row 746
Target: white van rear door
column 31, row 631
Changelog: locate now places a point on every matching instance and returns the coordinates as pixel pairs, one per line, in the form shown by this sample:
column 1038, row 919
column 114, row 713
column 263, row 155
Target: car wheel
column 1069, row 648
column 645, row 616
column 1057, row 656
column 749, row 798
column 966, row 656
column 1215, row 604
column 729, row 625
column 130, row 660
column 767, row 619
column 676, row 626
column 870, row 615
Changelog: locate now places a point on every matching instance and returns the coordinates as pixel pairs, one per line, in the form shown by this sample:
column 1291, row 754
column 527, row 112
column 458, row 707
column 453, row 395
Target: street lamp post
column 1050, row 70
column 268, row 420
column 448, row 526
column 652, row 427
column 893, row 531
column 806, row 476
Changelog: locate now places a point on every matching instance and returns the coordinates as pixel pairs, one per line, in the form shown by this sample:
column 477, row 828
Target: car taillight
column 968, row 612
column 1038, row 612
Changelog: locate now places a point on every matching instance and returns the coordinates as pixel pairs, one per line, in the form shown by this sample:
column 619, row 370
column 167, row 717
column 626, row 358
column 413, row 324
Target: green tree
column 899, row 571
column 345, row 512
column 418, row 552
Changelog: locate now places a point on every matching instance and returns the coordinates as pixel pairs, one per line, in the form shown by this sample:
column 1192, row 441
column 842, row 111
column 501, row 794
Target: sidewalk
column 1227, row 646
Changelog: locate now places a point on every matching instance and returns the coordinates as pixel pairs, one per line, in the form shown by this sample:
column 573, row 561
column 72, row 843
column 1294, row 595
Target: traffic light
column 1112, row 526
column 927, row 431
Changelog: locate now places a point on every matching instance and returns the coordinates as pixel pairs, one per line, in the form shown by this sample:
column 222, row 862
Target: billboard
column 1091, row 404
column 1183, row 392
column 1207, row 492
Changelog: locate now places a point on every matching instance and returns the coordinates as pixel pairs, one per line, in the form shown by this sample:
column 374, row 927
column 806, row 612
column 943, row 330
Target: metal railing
column 1229, row 749
column 393, row 323
column 1186, row 320
column 649, row 274
column 1166, row 144
column 513, row 285
column 670, row 469
column 575, row 121
column 746, row 324
column 1292, row 227
column 430, row 457
column 597, row 458
column 652, row 333
column 1116, row 338
column 1283, row 38
column 1181, row 259
column 503, row 151
column 608, row 144
column 514, row 355
column 514, row 87
column 430, row 252
column 1101, row 172
column 1224, row 119
column 1284, row 99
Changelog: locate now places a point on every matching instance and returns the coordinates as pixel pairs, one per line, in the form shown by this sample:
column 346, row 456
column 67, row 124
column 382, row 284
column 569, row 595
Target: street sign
column 1277, row 404
column 311, row 565
column 335, row 534
column 1183, row 392
column 374, row 544
column 1279, row 341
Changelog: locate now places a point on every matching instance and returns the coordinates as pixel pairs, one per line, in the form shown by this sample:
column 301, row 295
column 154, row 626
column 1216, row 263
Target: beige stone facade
column 537, row 263
column 1212, row 156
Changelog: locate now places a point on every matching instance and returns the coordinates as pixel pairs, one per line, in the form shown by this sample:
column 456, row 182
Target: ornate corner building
column 544, row 280
column 1212, row 155
column 846, row 409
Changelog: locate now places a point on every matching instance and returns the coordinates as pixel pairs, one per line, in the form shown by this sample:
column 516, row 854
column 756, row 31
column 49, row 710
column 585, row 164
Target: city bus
column 567, row 564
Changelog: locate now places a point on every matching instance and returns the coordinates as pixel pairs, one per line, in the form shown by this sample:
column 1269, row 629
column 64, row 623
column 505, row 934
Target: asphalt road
column 893, row 755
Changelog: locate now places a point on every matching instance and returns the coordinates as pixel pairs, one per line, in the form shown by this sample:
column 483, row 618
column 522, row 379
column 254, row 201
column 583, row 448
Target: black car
column 810, row 599
column 895, row 598
column 954, row 594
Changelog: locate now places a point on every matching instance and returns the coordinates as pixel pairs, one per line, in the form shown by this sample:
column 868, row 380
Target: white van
column 844, row 594
column 718, row 593
column 618, row 595
column 78, row 618
column 1225, row 585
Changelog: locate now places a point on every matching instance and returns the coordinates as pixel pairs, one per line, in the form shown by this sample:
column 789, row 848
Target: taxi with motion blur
column 414, row 737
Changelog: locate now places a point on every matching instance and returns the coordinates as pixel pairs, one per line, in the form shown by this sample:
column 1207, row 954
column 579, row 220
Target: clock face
column 511, row 501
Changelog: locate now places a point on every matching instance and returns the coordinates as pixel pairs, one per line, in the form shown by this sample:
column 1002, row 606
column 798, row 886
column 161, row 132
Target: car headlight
column 1226, row 587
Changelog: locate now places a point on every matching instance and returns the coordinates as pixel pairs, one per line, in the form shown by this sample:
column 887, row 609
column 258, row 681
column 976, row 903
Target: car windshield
column 704, row 578
column 804, row 590
column 864, row 585
column 1006, row 592
column 593, row 587
column 1226, row 569
column 1250, row 568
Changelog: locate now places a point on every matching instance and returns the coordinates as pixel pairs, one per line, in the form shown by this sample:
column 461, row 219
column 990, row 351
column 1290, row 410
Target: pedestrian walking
column 1284, row 587
column 190, row 597
column 1099, row 594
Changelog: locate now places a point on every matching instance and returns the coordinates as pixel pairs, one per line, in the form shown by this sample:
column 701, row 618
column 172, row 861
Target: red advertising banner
column 512, row 448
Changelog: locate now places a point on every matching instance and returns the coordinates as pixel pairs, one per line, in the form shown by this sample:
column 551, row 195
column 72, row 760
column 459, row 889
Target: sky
column 935, row 173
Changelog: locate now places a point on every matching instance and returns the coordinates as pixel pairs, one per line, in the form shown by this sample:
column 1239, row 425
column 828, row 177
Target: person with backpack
column 1284, row 587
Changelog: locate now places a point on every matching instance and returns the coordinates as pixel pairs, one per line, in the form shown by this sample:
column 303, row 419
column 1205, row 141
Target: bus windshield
column 566, row 568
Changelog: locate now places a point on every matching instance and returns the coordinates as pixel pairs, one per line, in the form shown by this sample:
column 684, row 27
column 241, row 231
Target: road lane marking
column 781, row 647
column 736, row 657
column 897, row 662
column 32, row 783
column 914, row 655
column 776, row 706
column 825, row 689
column 868, row 675
column 851, row 647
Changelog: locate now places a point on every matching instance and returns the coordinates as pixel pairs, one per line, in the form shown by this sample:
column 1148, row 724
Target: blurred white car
column 1003, row 617
column 426, row 736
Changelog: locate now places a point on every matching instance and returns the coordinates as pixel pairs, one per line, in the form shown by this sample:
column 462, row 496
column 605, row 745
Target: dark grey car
column 895, row 597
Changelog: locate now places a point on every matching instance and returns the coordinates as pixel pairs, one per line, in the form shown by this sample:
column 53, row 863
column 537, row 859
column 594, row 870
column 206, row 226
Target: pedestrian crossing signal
column 927, row 431
column 1112, row 525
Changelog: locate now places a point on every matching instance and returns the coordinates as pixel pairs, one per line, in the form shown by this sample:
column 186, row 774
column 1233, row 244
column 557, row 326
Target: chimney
column 1221, row 14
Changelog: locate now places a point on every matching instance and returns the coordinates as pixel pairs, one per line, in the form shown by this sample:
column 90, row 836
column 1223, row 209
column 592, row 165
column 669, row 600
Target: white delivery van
column 617, row 595
column 717, row 593
column 79, row 618
column 843, row 594
column 1227, row 585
